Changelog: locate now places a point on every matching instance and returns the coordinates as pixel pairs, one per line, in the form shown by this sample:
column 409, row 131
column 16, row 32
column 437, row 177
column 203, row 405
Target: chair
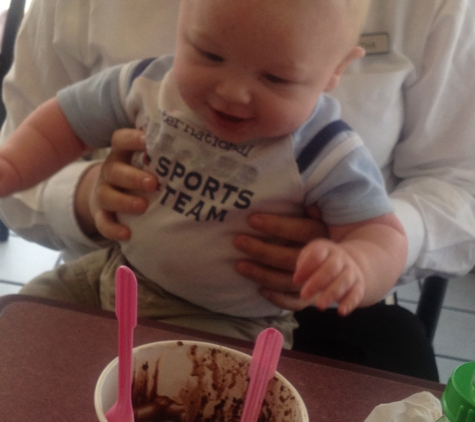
column 430, row 303
column 14, row 16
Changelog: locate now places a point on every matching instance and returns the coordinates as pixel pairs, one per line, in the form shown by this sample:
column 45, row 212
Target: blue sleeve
column 352, row 191
column 338, row 172
column 94, row 107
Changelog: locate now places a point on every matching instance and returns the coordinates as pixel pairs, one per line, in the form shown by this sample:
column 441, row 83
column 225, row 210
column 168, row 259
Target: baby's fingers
column 109, row 227
column 310, row 260
column 125, row 141
column 351, row 300
column 327, row 287
column 114, row 200
column 346, row 290
column 10, row 180
column 324, row 275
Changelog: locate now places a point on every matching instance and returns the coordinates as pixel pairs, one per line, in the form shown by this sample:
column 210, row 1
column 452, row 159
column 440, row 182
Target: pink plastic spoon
column 265, row 358
column 126, row 312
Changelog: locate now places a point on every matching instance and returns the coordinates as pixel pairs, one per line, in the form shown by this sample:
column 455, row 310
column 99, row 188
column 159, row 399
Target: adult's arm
column 434, row 161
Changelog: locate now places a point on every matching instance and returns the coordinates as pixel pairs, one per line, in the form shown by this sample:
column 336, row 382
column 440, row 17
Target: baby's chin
column 237, row 135
column 242, row 136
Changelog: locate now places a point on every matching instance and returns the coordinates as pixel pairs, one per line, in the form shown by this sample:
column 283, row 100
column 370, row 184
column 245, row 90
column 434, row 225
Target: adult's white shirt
column 412, row 99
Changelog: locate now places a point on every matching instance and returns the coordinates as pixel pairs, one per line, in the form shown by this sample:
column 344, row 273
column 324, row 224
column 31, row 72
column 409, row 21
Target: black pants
column 386, row 337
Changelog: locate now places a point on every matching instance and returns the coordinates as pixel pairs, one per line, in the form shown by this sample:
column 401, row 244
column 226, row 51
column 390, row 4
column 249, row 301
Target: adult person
column 410, row 98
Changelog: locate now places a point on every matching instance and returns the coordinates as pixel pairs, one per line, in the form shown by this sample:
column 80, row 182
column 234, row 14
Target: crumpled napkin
column 420, row 407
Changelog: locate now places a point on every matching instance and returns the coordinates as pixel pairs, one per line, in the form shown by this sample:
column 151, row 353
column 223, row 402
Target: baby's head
column 255, row 68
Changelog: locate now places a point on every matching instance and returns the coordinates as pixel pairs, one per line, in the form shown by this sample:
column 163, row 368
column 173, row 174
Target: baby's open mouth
column 229, row 117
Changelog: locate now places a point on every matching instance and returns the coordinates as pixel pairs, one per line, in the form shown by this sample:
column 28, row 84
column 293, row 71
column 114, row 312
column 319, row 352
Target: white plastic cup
column 192, row 380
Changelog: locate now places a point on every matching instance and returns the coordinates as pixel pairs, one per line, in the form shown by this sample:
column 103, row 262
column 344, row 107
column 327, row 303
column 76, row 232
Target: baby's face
column 255, row 68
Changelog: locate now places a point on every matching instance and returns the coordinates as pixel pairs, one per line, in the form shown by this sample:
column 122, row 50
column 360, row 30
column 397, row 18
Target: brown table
column 52, row 354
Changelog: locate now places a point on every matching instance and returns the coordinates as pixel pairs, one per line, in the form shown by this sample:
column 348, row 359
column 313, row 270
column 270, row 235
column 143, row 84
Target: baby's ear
column 355, row 53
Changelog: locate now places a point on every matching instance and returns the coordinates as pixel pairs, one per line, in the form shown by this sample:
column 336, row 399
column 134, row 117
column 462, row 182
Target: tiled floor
column 454, row 342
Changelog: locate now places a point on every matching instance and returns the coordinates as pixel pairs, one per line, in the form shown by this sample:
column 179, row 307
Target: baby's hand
column 120, row 187
column 329, row 274
column 10, row 181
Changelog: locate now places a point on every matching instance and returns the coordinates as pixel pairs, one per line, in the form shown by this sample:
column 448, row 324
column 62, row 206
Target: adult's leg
column 381, row 336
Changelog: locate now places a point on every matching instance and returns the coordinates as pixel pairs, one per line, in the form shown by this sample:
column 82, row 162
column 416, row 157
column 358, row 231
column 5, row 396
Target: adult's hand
column 105, row 188
column 272, row 260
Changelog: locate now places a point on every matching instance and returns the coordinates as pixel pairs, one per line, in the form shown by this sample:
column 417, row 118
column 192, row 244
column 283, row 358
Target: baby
column 236, row 122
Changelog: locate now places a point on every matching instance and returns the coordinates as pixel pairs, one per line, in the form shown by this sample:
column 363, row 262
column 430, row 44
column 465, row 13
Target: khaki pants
column 90, row 281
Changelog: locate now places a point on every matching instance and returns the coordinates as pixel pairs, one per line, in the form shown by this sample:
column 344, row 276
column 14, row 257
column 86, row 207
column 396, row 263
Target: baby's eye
column 211, row 56
column 276, row 79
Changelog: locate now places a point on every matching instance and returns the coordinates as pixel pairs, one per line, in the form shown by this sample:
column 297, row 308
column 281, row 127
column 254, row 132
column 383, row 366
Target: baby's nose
column 234, row 90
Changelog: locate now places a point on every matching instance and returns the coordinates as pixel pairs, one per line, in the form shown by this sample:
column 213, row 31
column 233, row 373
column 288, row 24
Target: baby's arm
column 357, row 267
column 42, row 144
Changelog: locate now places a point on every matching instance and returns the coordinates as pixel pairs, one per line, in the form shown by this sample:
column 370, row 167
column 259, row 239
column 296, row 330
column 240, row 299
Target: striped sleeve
column 339, row 174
